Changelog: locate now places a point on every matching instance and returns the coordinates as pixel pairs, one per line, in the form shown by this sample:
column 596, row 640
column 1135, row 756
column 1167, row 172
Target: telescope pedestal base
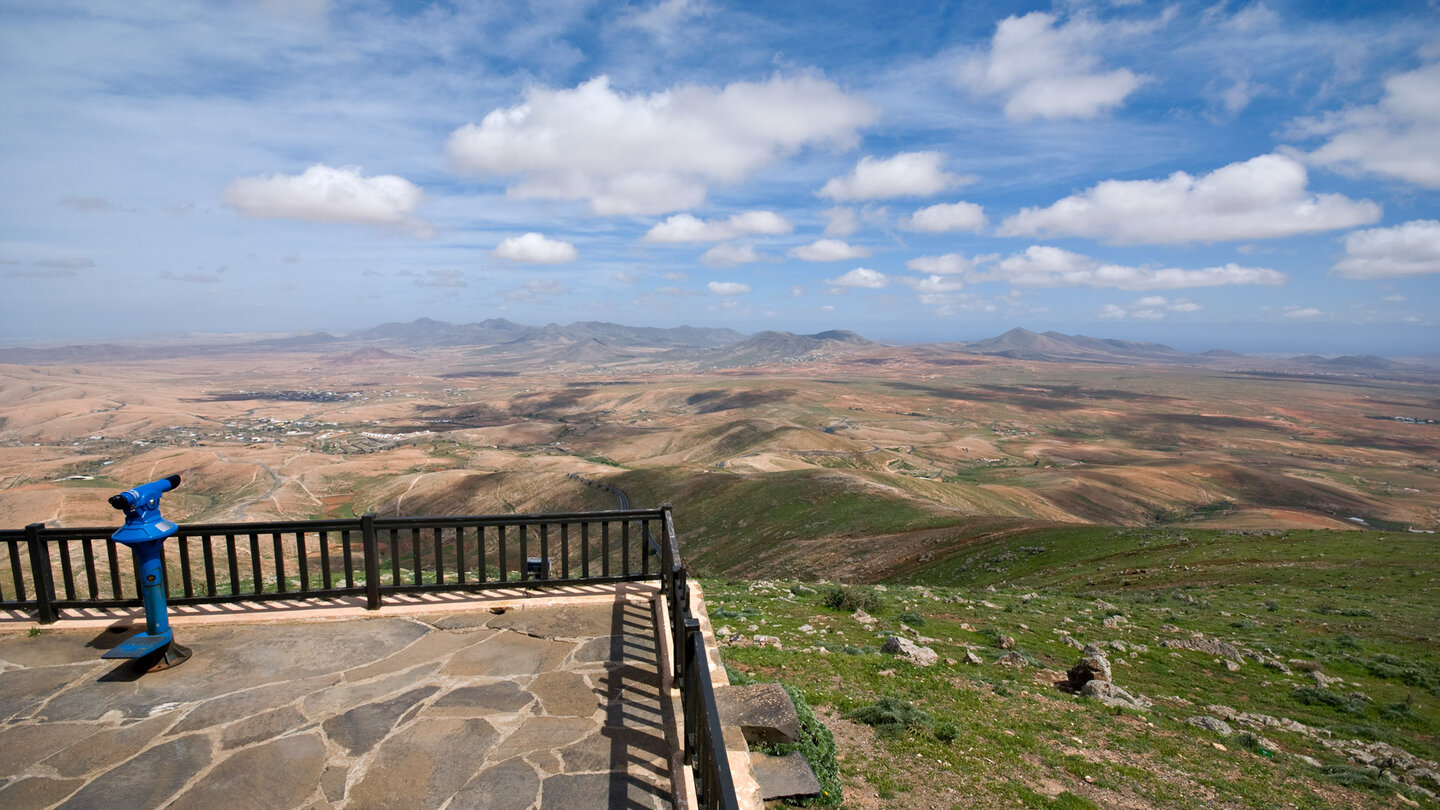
column 172, row 655
column 152, row 653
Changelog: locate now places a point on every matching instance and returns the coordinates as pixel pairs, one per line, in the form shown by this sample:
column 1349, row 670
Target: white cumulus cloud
column 1395, row 138
column 1045, row 70
column 728, row 288
column 728, row 254
column 651, row 154
column 1261, row 198
column 960, row 216
column 829, row 250
column 688, row 228
column 327, row 194
column 534, row 248
column 1411, row 249
column 1041, row 266
column 908, row 174
column 862, row 277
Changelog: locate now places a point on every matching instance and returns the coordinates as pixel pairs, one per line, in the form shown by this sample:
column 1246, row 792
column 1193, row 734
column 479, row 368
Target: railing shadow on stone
column 83, row 569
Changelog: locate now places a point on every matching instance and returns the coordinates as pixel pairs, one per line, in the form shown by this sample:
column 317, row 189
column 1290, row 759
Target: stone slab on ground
column 763, row 711
column 781, row 777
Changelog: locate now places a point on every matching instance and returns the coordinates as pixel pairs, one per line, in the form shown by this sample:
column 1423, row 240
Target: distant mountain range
column 498, row 342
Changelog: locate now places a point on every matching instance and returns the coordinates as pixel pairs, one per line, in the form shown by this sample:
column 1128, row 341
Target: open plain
column 1250, row 540
column 780, row 437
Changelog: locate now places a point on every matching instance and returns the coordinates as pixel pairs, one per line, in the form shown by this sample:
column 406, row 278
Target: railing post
column 43, row 578
column 370, row 550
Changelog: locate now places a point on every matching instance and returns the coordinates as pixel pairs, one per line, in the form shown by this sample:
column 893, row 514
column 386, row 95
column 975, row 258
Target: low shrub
column 851, row 598
column 1320, row 696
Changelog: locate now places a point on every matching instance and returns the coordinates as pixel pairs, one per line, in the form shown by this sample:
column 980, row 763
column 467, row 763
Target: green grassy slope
column 1359, row 606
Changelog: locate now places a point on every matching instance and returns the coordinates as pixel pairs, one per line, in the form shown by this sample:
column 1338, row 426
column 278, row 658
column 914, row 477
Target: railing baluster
column 500, row 550
column 113, row 559
column 524, row 554
column 415, row 556
column 605, row 549
column 324, row 538
column 232, row 563
column 259, row 585
column 184, row 543
column 585, row 550
column 349, row 558
column 564, row 550
column 544, row 550
column 302, row 559
column 207, row 554
column 17, row 571
column 481, row 575
column 460, row 554
column 439, row 558
column 67, row 577
column 395, row 556
column 279, row 545
column 625, row 546
column 92, row 581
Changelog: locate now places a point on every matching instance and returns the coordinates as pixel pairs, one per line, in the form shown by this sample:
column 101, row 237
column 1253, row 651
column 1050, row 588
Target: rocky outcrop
column 904, row 647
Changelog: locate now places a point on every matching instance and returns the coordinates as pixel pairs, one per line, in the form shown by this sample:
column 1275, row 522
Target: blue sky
column 1256, row 176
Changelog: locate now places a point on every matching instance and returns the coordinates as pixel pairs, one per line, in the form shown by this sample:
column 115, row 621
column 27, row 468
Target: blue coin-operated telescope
column 145, row 532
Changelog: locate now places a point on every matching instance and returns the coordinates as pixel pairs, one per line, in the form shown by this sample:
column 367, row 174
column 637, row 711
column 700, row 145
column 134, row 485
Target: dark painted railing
column 46, row 570
column 54, row 569
column 704, row 745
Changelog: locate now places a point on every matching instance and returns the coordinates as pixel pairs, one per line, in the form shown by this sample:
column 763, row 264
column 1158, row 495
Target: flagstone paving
column 555, row 706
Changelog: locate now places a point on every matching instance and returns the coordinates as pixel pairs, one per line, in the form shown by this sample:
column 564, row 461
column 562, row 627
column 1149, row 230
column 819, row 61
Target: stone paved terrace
column 488, row 703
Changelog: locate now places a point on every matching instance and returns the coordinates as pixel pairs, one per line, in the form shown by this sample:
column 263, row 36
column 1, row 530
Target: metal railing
column 704, row 745
column 46, row 570
column 370, row 556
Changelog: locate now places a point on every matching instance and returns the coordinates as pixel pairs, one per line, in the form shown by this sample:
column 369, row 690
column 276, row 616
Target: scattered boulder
column 972, row 659
column 1211, row 724
column 1073, row 642
column 921, row 656
column 1112, row 695
column 1321, row 679
column 1113, row 622
column 1012, row 659
column 1090, row 668
column 1233, row 666
column 767, row 641
column 1005, row 642
column 863, row 618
